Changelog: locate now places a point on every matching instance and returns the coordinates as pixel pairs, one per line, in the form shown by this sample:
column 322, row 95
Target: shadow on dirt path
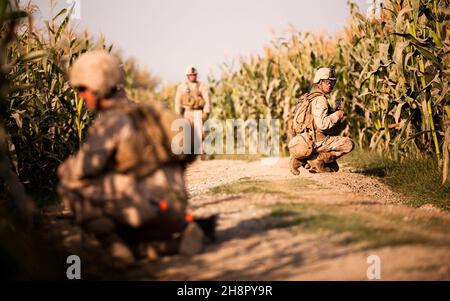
column 276, row 226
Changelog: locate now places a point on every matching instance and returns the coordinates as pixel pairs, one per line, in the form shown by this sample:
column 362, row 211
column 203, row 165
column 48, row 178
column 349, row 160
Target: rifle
column 339, row 104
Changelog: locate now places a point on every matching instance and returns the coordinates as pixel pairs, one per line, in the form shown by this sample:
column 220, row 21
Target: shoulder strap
column 310, row 98
column 197, row 87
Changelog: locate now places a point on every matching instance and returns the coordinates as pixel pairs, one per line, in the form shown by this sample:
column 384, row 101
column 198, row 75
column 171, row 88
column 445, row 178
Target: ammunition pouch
column 193, row 99
column 301, row 146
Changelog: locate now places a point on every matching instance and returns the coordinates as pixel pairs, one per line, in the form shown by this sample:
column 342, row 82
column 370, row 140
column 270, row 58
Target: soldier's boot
column 208, row 226
column 191, row 240
column 306, row 165
column 330, row 160
column 294, row 165
column 334, row 166
column 317, row 164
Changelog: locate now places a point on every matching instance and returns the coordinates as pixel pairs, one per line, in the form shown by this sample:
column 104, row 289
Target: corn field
column 42, row 114
column 392, row 70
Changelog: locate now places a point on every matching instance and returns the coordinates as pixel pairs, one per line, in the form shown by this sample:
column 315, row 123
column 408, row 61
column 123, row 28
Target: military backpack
column 150, row 146
column 301, row 145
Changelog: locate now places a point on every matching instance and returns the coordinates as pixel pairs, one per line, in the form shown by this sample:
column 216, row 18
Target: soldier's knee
column 349, row 145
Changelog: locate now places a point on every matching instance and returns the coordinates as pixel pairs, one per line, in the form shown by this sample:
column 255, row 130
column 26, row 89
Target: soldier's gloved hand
column 339, row 114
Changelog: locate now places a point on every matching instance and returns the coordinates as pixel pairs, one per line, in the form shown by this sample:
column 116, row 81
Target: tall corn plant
column 10, row 16
column 267, row 86
column 395, row 68
column 392, row 70
column 140, row 84
column 22, row 255
column 43, row 116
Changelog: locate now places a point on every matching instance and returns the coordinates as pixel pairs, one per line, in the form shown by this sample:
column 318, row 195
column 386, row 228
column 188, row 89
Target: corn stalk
column 392, row 69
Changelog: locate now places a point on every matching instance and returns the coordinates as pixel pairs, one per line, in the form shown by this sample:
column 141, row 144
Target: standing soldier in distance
column 193, row 103
column 320, row 121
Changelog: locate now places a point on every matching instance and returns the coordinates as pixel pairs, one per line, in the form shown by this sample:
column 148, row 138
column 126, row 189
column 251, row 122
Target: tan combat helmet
column 324, row 73
column 191, row 70
column 99, row 71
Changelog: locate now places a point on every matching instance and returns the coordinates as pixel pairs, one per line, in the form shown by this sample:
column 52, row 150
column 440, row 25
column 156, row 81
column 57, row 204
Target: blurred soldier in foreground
column 192, row 102
column 315, row 145
column 124, row 184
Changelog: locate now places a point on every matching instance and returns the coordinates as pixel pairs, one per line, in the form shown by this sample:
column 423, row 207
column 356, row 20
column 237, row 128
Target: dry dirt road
column 276, row 226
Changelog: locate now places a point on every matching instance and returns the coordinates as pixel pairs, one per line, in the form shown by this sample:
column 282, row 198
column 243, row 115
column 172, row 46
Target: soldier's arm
column 97, row 152
column 319, row 110
column 205, row 95
column 178, row 100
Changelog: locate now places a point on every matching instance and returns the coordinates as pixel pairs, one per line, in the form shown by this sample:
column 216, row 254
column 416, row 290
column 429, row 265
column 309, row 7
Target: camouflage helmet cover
column 191, row 70
column 97, row 70
column 324, row 73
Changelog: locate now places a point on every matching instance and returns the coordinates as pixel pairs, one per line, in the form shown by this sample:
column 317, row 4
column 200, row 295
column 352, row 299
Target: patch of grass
column 314, row 217
column 424, row 268
column 243, row 157
column 433, row 223
column 247, row 185
column 419, row 179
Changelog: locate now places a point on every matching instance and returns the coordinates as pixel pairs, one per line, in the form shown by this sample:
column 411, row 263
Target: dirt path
column 275, row 226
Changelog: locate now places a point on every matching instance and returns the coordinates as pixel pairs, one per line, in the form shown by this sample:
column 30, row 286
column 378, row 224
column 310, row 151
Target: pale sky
column 165, row 36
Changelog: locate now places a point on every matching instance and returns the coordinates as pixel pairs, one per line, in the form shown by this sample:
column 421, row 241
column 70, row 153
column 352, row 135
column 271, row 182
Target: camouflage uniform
column 319, row 127
column 92, row 174
column 185, row 110
column 107, row 201
column 124, row 184
column 330, row 147
column 197, row 110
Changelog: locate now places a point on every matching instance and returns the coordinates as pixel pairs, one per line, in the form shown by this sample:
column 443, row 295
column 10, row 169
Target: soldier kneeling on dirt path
column 124, row 184
column 314, row 146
